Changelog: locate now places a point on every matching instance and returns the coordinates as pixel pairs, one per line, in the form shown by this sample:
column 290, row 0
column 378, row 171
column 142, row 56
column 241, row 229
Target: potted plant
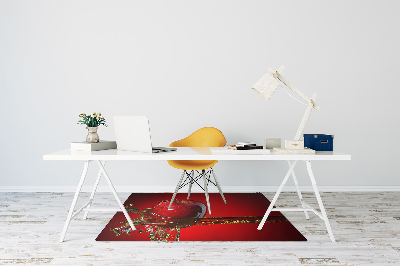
column 92, row 123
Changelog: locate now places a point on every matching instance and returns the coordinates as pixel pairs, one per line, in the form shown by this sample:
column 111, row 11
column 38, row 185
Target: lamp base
column 293, row 151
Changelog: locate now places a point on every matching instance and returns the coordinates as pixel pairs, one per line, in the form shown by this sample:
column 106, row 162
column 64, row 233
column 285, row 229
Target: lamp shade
column 266, row 86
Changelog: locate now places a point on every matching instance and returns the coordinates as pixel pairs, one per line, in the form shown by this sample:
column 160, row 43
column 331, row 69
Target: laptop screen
column 132, row 133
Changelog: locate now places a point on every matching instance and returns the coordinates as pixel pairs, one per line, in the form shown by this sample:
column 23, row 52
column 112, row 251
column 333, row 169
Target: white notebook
column 86, row 146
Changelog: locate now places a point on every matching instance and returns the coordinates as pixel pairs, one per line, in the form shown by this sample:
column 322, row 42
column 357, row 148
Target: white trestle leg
column 176, row 189
column 321, row 205
column 71, row 210
column 264, row 219
column 116, row 196
column 305, row 207
column 93, row 192
column 206, row 191
column 299, row 192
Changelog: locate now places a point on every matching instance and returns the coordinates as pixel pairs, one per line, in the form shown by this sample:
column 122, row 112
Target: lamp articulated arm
column 277, row 75
column 311, row 102
column 305, row 117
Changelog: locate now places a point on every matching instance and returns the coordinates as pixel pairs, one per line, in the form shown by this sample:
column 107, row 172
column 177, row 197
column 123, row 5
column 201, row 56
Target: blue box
column 318, row 142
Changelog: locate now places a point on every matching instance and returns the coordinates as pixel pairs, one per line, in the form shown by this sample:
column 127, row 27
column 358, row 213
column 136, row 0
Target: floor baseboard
column 212, row 189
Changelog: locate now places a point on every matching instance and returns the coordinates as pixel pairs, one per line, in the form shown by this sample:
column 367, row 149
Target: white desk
column 194, row 154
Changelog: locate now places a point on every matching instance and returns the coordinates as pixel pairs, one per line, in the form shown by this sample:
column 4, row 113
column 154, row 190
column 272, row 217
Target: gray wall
column 190, row 64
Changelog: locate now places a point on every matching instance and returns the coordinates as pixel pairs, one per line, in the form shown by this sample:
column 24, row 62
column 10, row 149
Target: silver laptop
column 133, row 134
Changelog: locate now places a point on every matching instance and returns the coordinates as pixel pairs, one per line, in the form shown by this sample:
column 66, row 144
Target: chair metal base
column 191, row 179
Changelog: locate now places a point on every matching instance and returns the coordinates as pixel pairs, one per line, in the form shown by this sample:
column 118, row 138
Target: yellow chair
column 204, row 137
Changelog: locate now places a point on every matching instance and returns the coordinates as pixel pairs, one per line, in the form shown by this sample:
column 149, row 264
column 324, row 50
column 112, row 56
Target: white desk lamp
column 266, row 86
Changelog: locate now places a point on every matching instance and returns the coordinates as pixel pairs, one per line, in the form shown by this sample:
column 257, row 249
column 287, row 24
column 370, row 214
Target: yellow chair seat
column 204, row 137
column 191, row 164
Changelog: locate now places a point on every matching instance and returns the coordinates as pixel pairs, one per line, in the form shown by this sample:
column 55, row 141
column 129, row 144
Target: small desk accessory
column 266, row 86
column 245, row 146
column 271, row 143
column 240, row 148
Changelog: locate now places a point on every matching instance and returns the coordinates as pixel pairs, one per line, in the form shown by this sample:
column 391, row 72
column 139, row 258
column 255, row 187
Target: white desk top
column 184, row 153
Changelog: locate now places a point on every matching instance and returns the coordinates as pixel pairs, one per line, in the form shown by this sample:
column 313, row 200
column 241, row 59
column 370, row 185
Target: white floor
column 366, row 226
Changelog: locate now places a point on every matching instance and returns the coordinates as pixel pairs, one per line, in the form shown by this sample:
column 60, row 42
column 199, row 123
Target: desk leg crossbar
column 86, row 207
column 305, row 206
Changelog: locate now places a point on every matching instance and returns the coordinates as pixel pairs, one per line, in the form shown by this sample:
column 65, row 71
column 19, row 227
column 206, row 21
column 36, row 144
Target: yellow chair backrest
column 204, row 137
